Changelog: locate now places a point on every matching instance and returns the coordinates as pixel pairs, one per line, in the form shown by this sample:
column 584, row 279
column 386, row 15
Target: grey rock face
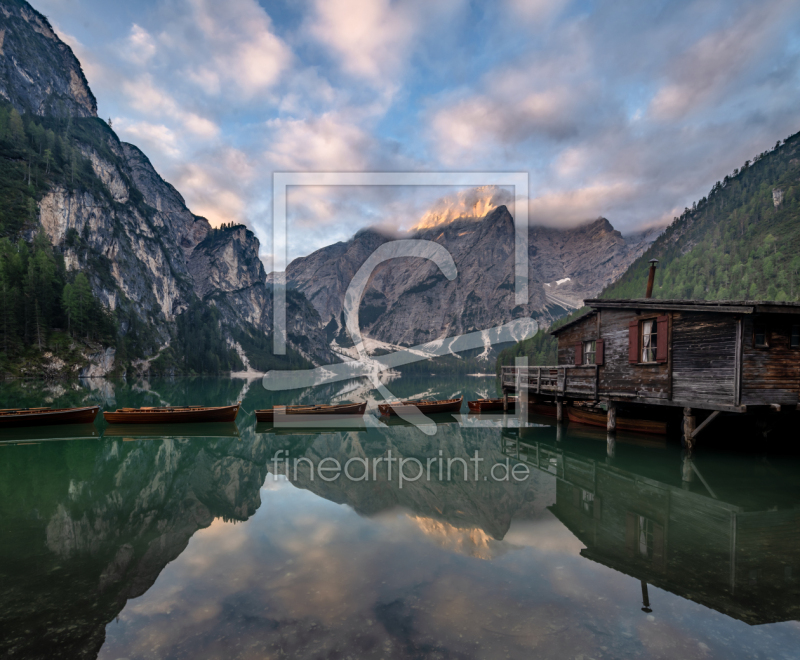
column 142, row 248
column 38, row 71
column 408, row 301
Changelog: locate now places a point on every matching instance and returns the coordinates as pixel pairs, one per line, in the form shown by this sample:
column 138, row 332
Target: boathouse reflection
column 725, row 535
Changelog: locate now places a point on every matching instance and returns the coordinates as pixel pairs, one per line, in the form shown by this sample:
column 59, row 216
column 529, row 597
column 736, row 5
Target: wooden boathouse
column 707, row 539
column 713, row 356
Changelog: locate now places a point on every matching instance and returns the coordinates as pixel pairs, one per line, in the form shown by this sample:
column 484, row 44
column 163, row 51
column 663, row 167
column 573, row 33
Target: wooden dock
column 703, row 357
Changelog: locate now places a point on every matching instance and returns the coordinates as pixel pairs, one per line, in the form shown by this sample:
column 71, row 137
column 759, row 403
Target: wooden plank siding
column 704, row 358
column 770, row 375
column 711, row 363
column 617, row 377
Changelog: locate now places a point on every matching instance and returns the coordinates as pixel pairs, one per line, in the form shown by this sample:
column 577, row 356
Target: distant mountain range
column 408, row 301
column 116, row 273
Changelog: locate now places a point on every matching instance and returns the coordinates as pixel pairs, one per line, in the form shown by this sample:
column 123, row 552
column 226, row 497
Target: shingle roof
column 715, row 306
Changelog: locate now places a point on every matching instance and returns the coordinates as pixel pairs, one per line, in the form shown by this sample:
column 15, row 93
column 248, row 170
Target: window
column 645, row 540
column 589, row 352
column 760, row 335
column 795, row 337
column 649, row 340
column 587, row 502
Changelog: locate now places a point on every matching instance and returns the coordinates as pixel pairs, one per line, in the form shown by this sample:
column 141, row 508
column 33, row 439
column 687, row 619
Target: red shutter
column 662, row 339
column 633, row 342
column 598, row 356
column 578, row 353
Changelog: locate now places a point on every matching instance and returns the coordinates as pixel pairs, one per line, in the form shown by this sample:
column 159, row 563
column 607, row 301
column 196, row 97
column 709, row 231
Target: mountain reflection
column 89, row 524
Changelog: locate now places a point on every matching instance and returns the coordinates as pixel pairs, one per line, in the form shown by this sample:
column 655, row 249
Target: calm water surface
column 135, row 544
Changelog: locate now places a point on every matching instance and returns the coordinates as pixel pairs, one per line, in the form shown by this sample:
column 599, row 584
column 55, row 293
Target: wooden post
column 559, row 432
column 611, row 425
column 505, row 400
column 611, row 445
column 559, row 411
column 689, row 423
column 687, row 474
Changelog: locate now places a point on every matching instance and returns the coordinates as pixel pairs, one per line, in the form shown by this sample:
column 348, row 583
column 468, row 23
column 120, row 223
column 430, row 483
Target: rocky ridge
column 408, row 301
column 146, row 254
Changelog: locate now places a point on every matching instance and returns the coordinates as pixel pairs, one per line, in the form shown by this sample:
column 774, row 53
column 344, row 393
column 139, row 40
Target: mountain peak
column 474, row 203
column 39, row 73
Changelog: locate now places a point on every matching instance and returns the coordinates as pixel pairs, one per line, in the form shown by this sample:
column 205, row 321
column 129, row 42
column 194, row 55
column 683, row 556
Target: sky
column 626, row 110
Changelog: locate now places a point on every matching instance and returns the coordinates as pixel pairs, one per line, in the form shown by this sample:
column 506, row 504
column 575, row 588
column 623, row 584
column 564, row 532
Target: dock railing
column 578, row 381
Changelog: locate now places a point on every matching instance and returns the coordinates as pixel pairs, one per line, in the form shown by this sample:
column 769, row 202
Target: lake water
column 197, row 545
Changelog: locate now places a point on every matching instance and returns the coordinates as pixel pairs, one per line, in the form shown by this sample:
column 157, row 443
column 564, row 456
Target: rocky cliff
column 38, row 72
column 147, row 255
column 408, row 301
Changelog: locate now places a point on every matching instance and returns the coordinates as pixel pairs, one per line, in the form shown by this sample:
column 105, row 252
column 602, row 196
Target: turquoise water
column 198, row 543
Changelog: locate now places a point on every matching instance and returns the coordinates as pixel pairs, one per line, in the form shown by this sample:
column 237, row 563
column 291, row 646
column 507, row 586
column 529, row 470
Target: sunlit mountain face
column 472, row 203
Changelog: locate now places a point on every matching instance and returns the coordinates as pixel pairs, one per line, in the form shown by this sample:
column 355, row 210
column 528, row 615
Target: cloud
column 702, row 73
column 474, row 126
column 622, row 111
column 537, row 11
column 141, row 47
column 374, row 40
column 325, row 143
column 151, row 137
column 576, row 206
column 146, row 97
column 370, row 37
column 228, row 42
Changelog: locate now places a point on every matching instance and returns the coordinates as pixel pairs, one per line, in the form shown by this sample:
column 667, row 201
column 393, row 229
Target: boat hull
column 425, row 407
column 48, row 417
column 202, row 430
column 173, row 415
column 323, row 411
column 592, row 418
column 490, row 405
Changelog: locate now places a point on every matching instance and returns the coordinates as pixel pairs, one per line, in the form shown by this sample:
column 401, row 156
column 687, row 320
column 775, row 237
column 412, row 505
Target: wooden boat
column 173, row 415
column 439, row 419
column 423, row 406
column 46, row 416
column 346, row 409
column 157, row 431
column 54, row 433
column 544, row 409
column 490, row 405
column 599, row 418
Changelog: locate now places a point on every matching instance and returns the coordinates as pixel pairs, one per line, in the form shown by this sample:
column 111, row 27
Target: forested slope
column 740, row 242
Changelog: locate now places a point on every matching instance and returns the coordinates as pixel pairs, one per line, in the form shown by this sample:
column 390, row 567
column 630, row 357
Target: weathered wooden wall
column 701, row 370
column 770, row 375
column 618, row 376
column 584, row 330
column 703, row 358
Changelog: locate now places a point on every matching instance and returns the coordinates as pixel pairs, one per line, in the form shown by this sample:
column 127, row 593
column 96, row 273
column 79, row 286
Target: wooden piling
column 611, row 424
column 611, row 445
column 505, row 399
column 689, row 424
column 559, row 411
